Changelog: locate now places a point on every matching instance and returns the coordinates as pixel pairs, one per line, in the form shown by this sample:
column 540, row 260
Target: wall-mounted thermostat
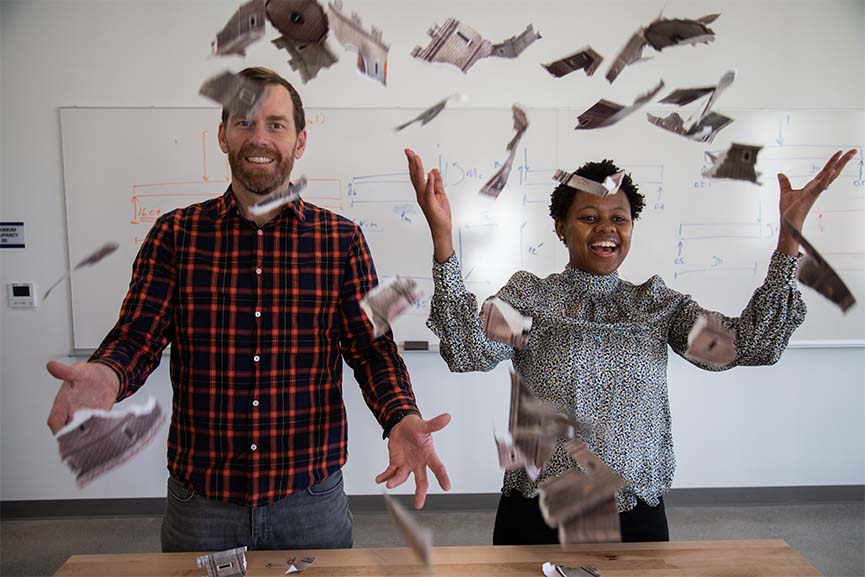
column 22, row 294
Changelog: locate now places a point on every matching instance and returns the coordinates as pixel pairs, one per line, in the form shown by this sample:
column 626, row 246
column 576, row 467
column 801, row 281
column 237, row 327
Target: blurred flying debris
column 427, row 115
column 535, row 427
column 606, row 113
column 279, row 198
column 704, row 126
column 511, row 458
column 710, row 342
column 383, row 304
column 737, row 163
column 582, row 505
column 552, row 570
column 503, row 323
column 230, row 563
column 245, row 27
column 662, row 33
column 460, row 45
column 816, row 273
column 90, row 260
column 610, row 185
column 418, row 537
column 96, row 441
column 586, row 59
column 371, row 50
column 304, row 26
column 493, row 187
column 239, row 95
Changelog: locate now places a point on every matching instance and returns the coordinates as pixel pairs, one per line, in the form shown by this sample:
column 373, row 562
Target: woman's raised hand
column 433, row 200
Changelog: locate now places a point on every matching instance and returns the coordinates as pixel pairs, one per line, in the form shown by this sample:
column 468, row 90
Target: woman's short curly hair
column 563, row 196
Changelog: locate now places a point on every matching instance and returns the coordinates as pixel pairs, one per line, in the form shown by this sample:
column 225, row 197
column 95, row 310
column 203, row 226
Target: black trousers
column 519, row 522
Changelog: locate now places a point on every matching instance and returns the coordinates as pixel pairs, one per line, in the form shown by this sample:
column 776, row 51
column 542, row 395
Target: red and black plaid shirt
column 258, row 320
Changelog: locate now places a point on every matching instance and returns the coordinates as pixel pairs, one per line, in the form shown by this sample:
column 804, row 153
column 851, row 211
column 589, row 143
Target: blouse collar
column 589, row 283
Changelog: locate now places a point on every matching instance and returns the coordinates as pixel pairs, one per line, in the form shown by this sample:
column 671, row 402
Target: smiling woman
column 597, row 350
column 596, row 229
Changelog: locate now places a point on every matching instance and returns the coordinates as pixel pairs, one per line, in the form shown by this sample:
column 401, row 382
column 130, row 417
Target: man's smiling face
column 262, row 149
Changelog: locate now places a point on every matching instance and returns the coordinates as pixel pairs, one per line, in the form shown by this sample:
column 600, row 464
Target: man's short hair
column 268, row 77
column 563, row 196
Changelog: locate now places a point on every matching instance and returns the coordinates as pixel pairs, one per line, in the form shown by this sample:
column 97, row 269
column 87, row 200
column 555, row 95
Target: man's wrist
column 395, row 418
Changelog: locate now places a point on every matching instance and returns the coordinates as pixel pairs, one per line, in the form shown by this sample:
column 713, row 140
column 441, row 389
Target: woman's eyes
column 593, row 218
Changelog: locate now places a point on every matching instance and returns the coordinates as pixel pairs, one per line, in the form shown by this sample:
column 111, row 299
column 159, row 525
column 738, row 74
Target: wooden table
column 691, row 558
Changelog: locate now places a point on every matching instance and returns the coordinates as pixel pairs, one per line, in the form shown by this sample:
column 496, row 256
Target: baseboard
column 707, row 497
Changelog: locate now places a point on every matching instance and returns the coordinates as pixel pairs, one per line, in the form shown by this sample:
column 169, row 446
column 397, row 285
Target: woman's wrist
column 443, row 247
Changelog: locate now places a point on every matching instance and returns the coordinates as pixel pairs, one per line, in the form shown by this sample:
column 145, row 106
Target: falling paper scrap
column 704, row 130
column 660, row 34
column 666, row 32
column 552, row 570
column 279, row 198
column 427, row 115
column 416, row 536
column 455, row 43
column 586, row 59
column 710, row 342
column 91, row 259
column 606, row 113
column 583, row 506
column 244, row 28
column 493, row 187
column 230, row 563
column 235, row 93
column 573, row 180
column 683, row 96
column 511, row 458
column 371, row 50
column 707, row 124
column 816, row 273
column 514, row 46
column 503, row 323
column 534, row 426
column 737, row 163
column 387, row 301
column 96, row 441
column 304, row 28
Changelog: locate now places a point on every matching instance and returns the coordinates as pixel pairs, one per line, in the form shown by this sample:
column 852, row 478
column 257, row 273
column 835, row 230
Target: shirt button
column 260, row 232
column 253, row 446
column 257, row 314
column 256, row 358
column 255, row 402
column 258, row 271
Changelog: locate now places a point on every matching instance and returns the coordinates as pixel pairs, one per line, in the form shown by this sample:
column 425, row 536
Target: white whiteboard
column 125, row 166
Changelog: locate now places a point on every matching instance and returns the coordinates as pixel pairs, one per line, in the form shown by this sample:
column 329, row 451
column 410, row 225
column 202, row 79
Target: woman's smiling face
column 597, row 232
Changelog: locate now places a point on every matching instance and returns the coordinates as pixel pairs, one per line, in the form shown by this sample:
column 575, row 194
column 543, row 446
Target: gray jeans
column 314, row 518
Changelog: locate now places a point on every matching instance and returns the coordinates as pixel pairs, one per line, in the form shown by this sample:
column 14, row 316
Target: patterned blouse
column 598, row 350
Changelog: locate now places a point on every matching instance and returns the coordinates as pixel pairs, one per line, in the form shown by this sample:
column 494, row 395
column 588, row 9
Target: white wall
column 801, row 422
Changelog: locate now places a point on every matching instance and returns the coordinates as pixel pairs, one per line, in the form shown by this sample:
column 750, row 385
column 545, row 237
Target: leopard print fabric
column 598, row 351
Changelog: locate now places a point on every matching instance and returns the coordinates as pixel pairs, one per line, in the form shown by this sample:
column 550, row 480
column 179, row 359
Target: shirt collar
column 228, row 205
column 586, row 282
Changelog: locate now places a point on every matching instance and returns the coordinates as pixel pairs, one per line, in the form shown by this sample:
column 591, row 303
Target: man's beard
column 266, row 180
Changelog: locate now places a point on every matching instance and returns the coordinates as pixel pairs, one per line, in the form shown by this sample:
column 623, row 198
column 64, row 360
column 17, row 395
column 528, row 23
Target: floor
column 830, row 536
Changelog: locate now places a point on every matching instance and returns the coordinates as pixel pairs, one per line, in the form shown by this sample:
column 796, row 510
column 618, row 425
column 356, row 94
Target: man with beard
column 259, row 311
